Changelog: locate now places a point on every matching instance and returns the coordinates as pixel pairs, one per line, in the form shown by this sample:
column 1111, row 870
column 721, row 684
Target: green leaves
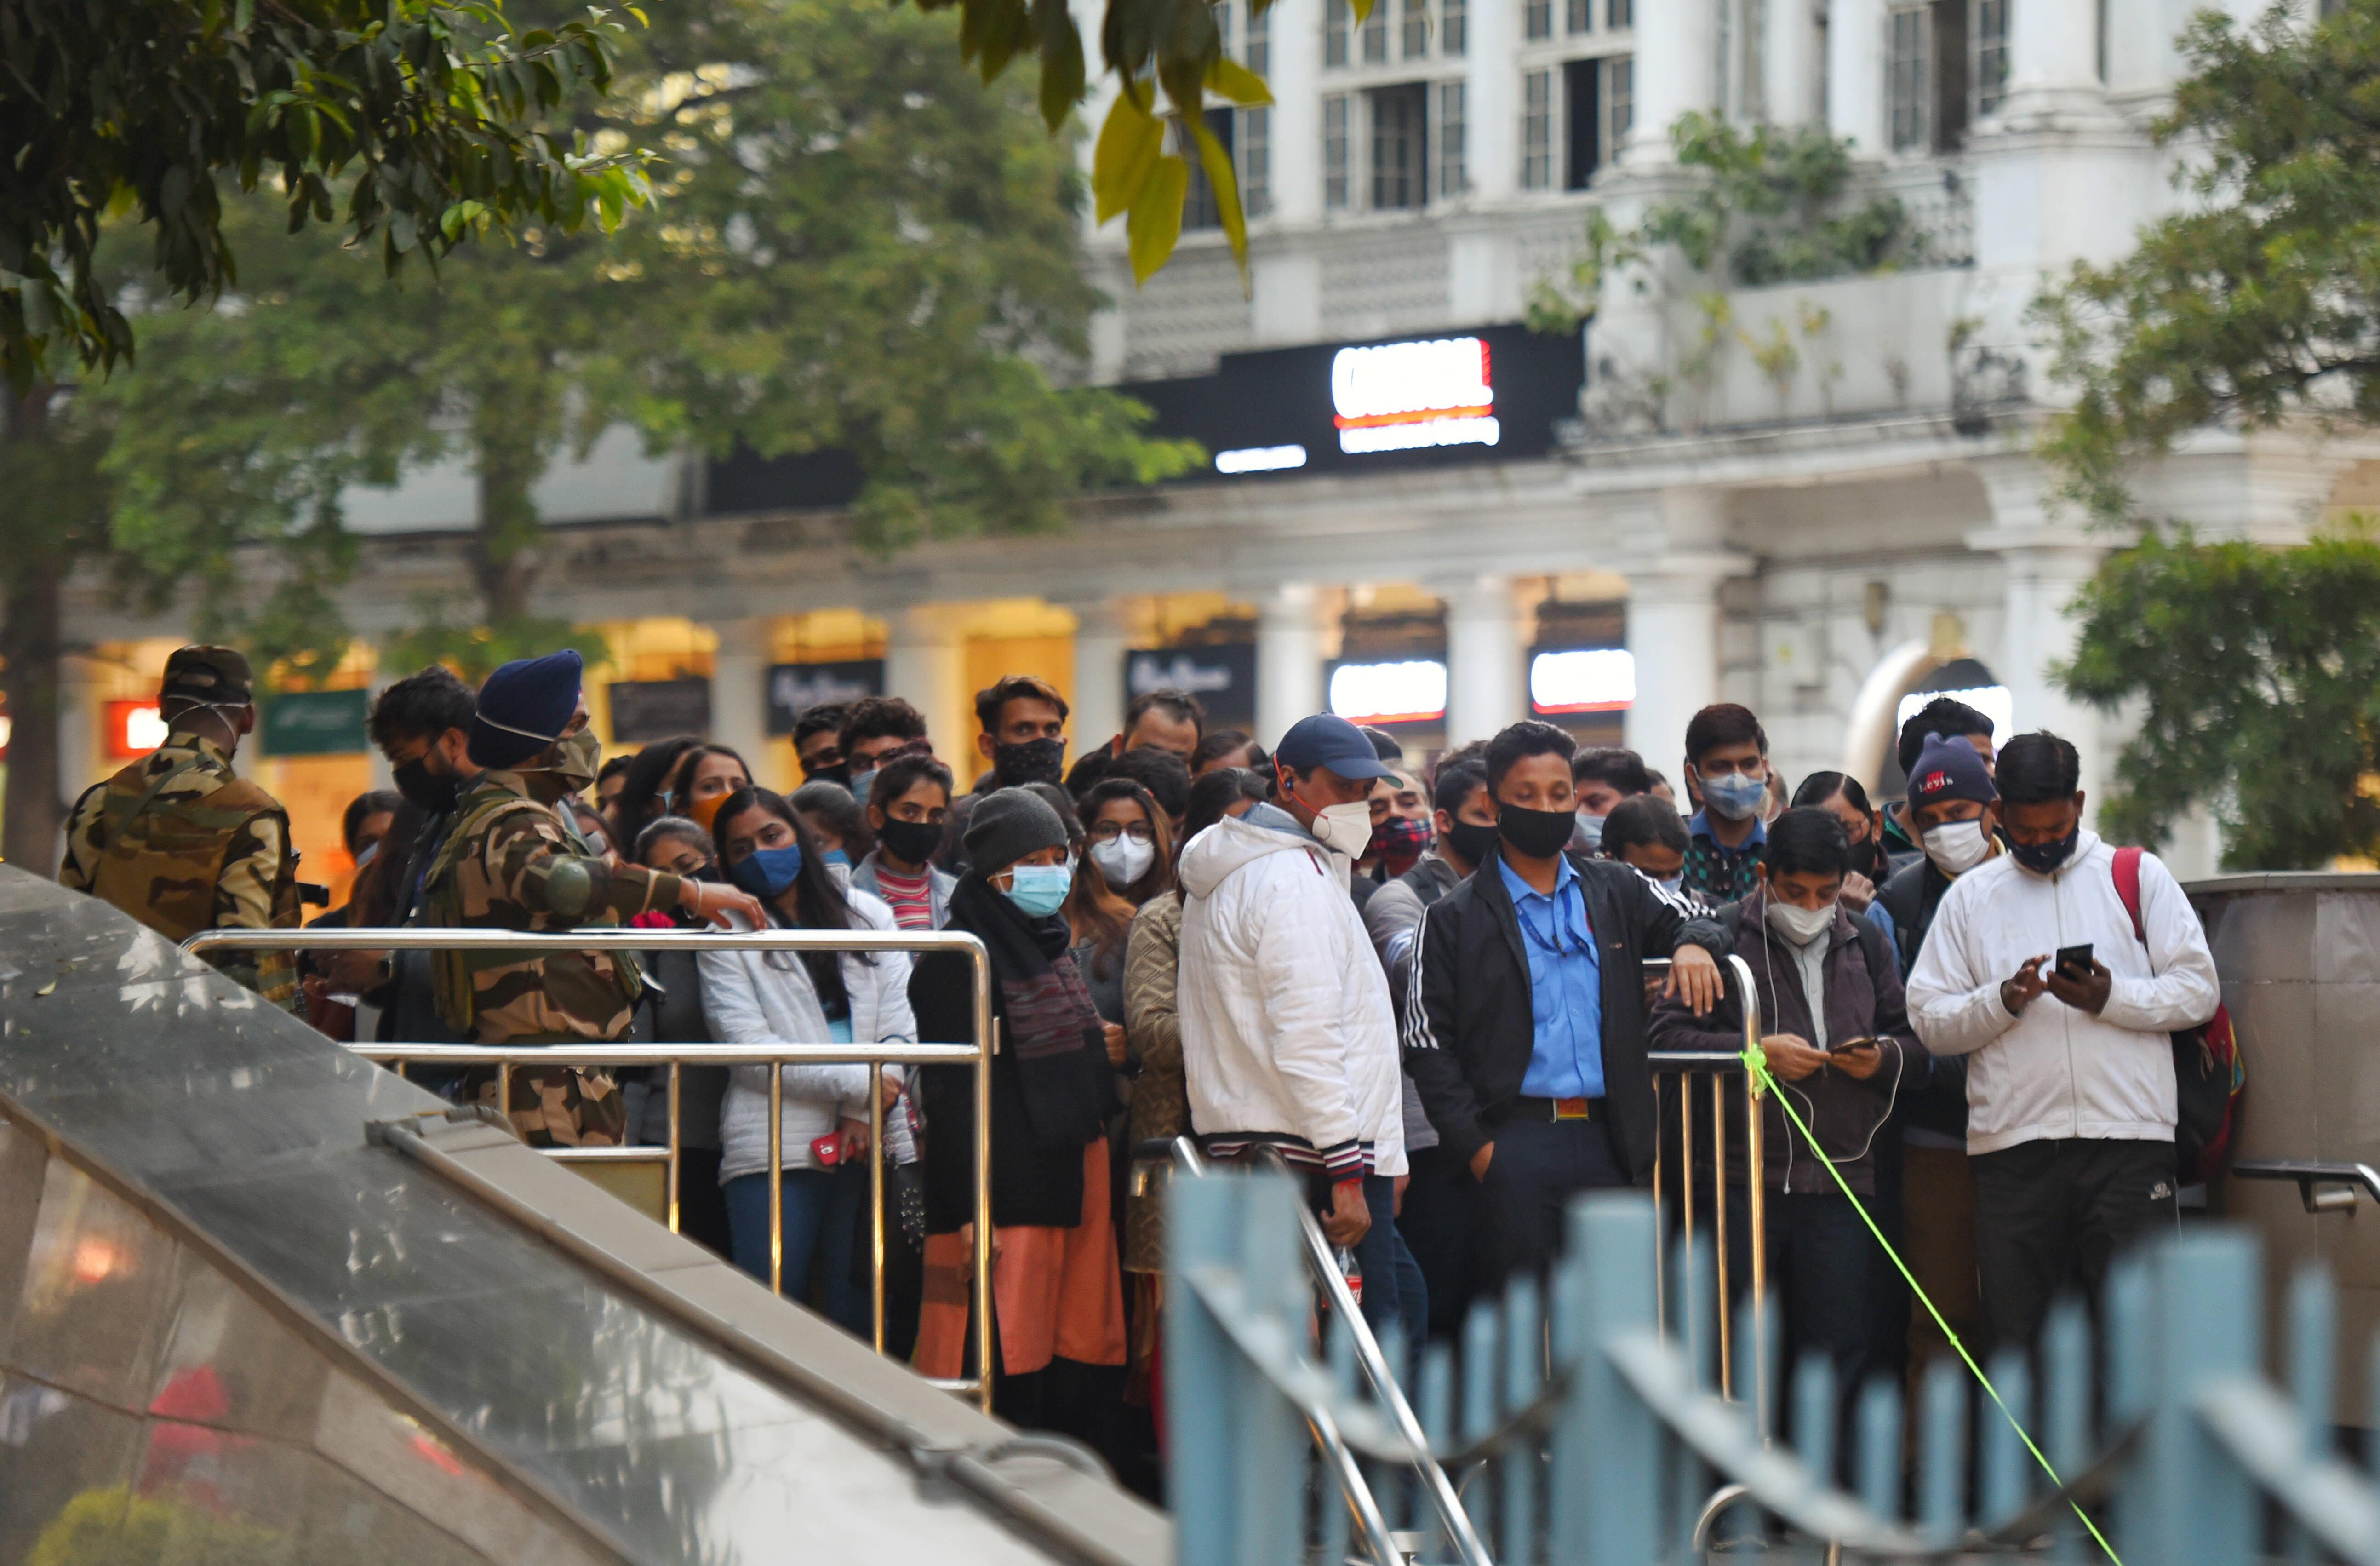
column 1129, row 145
column 2257, row 673
column 1156, row 221
column 142, row 105
column 2259, row 300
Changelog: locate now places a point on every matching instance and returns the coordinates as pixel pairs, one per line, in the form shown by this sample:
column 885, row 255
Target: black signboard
column 645, row 711
column 1222, row 678
column 796, row 686
column 1281, row 398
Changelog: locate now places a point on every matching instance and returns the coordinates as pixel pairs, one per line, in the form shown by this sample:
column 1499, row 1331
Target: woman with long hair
column 706, row 777
column 801, row 998
column 644, row 793
column 1845, row 800
column 1128, row 858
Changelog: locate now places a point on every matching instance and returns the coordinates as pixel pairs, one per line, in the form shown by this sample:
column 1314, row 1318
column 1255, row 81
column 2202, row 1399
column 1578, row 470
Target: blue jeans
column 823, row 1210
column 1394, row 1290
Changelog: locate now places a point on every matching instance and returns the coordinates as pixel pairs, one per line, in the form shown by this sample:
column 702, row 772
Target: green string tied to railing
column 1756, row 1063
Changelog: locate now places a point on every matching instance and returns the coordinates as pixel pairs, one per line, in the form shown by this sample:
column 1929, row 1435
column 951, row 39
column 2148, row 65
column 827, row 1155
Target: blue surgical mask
column 834, row 857
column 1039, row 891
column 766, row 872
column 1590, row 832
column 860, row 781
column 1735, row 796
column 1676, row 885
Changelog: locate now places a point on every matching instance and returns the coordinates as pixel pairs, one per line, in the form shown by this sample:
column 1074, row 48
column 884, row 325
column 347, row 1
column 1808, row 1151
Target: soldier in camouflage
column 515, row 859
column 180, row 841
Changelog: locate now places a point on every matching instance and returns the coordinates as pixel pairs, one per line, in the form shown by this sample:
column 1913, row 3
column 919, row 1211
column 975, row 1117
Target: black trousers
column 1539, row 1166
column 1442, row 1224
column 2049, row 1216
column 1821, row 1271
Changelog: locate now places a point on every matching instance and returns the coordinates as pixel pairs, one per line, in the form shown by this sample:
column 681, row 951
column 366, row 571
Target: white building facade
column 1813, row 498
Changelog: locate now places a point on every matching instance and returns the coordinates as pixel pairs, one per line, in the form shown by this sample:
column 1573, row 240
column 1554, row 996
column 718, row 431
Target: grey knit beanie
column 1007, row 825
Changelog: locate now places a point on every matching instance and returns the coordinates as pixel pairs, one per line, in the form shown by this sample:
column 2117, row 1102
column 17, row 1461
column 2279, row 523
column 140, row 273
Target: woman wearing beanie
column 1058, row 1300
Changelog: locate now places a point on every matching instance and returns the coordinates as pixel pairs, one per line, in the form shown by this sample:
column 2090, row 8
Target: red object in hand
column 651, row 918
column 827, row 1150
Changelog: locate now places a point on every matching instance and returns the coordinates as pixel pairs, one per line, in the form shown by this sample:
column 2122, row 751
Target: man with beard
column 1024, row 724
column 514, row 859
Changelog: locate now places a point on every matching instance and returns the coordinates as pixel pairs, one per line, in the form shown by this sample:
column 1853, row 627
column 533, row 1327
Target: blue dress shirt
column 1565, row 986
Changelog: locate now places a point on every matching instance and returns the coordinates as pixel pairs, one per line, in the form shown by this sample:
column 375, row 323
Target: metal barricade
column 1679, row 1077
column 677, row 1056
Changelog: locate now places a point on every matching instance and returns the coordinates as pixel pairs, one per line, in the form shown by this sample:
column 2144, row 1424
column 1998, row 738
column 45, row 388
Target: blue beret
column 524, row 708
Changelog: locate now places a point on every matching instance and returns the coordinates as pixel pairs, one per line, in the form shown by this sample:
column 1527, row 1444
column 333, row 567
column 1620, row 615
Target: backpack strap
column 2128, row 888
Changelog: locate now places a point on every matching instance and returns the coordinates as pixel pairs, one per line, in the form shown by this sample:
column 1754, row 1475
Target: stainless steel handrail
column 616, row 938
column 1324, row 1265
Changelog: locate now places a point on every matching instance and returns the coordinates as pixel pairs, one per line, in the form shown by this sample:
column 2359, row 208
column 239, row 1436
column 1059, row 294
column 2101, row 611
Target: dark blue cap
column 1328, row 740
column 1949, row 769
column 524, row 707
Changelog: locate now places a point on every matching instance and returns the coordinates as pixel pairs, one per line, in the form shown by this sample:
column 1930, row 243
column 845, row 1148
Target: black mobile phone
column 2074, row 962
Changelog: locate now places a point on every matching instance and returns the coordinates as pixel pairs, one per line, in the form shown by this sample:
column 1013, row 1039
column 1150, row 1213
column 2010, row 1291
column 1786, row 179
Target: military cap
column 216, row 674
column 524, row 707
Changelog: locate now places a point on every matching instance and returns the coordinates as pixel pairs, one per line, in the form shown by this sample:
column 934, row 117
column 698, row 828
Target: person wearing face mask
column 1059, row 1294
column 1843, row 796
column 181, row 842
column 1401, row 825
column 772, row 997
column 907, row 808
column 1525, row 1015
column 1440, row 1215
column 1603, row 776
column 1023, row 720
column 672, row 1012
column 818, row 743
column 1838, row 1042
column 874, row 730
column 1951, row 719
column 2071, row 1086
column 513, row 860
column 706, row 775
column 838, row 822
column 1126, row 859
column 1726, row 759
column 1645, row 835
column 1288, row 1039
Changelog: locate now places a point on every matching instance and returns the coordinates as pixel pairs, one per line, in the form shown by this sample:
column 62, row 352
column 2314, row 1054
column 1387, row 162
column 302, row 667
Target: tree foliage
column 2262, row 298
column 2257, row 675
column 402, row 123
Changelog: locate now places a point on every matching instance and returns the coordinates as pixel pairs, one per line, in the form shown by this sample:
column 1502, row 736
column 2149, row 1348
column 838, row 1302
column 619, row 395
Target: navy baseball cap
column 1328, row 740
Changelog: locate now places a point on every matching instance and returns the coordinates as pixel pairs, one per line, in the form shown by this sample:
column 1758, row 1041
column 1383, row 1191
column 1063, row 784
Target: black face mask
column 1036, row 760
column 912, row 842
column 1535, row 834
column 2041, row 858
column 709, row 873
column 1472, row 842
column 838, row 773
column 422, row 788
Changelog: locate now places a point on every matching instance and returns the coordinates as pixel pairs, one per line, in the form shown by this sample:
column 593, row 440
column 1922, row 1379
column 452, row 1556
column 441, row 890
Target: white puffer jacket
column 767, row 998
column 1287, row 1033
column 2057, row 1072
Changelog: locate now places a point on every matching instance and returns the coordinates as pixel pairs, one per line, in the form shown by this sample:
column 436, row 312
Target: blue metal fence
column 1592, row 1431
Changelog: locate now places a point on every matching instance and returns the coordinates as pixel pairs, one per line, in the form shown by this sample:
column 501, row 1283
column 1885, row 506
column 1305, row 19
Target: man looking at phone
column 2070, row 1093
column 1840, row 1046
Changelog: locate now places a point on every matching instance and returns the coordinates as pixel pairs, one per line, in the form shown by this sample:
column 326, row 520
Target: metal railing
column 1376, row 1450
column 504, row 1058
column 2171, row 1446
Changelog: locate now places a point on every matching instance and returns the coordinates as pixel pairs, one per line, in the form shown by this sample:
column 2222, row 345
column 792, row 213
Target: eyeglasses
column 824, row 756
column 1107, row 831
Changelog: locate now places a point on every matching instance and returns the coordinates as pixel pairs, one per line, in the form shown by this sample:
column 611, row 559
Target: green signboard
column 315, row 722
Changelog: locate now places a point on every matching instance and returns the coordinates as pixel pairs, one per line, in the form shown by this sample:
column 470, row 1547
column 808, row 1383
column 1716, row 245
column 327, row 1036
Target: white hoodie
column 2057, row 1072
column 1287, row 1033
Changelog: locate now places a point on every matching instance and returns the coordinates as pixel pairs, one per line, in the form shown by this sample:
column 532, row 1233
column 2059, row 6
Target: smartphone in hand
column 1866, row 1041
column 2074, row 963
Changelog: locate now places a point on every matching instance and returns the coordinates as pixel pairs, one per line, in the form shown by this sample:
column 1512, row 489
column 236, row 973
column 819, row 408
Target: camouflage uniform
column 513, row 863
column 182, row 844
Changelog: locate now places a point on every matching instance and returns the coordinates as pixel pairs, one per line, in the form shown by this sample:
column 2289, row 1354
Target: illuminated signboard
column 1411, row 691
column 134, row 728
column 1599, row 679
column 1403, row 396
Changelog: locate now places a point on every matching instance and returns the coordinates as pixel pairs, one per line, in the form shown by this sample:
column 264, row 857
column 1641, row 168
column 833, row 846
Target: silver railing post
column 978, row 1053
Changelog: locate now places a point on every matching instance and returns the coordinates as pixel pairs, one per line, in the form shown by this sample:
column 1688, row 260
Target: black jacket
column 1468, row 1028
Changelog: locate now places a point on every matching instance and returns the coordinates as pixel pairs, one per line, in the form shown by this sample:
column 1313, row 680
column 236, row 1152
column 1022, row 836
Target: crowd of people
column 1421, row 987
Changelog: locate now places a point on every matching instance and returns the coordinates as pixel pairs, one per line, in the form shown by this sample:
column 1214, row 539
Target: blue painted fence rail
column 1592, row 1431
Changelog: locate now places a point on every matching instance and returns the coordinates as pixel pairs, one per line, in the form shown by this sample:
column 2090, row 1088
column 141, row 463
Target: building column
column 1101, row 643
column 1289, row 659
column 1677, row 45
column 739, row 690
column 1673, row 621
column 2048, row 560
column 925, row 663
column 1483, row 657
column 2053, row 60
column 1790, row 70
column 1855, row 74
